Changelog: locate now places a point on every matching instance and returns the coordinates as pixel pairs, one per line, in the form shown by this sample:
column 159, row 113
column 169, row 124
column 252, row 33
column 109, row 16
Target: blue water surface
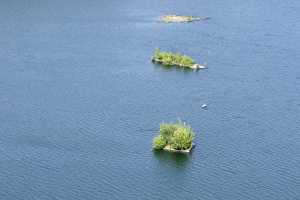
column 80, row 100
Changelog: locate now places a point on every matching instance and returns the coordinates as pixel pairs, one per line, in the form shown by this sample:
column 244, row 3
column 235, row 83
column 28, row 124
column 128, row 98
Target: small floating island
column 177, row 137
column 179, row 19
column 175, row 59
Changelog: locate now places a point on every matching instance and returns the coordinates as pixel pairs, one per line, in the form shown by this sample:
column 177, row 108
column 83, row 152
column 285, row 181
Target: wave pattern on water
column 80, row 100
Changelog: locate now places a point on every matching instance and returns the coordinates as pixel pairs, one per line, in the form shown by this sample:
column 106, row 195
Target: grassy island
column 175, row 59
column 178, row 18
column 177, row 137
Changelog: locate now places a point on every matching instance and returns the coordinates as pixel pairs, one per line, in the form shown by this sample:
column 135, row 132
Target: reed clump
column 176, row 137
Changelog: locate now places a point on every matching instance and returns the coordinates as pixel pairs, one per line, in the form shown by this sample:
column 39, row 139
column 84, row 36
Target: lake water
column 80, row 100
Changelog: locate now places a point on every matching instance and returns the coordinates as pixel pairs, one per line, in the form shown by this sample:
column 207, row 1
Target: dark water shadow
column 178, row 160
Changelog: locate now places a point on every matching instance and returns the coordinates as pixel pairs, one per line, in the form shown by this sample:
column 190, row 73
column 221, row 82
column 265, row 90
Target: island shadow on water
column 177, row 160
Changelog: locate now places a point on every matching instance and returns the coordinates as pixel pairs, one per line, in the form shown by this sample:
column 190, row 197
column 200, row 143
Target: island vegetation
column 174, row 137
column 178, row 18
column 175, row 59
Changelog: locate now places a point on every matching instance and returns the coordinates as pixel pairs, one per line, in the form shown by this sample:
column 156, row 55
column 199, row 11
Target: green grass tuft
column 172, row 59
column 159, row 142
column 178, row 135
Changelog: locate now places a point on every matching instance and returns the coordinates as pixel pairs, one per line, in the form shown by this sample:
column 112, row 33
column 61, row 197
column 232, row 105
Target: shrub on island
column 177, row 137
column 175, row 59
column 159, row 142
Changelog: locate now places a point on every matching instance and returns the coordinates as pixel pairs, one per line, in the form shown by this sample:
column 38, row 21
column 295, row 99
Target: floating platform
column 170, row 149
column 178, row 19
column 194, row 66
